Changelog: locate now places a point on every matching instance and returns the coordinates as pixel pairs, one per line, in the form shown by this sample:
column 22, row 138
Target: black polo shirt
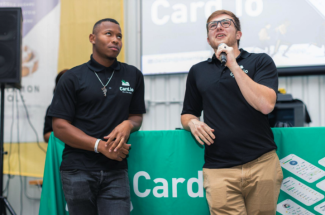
column 242, row 133
column 79, row 99
column 47, row 122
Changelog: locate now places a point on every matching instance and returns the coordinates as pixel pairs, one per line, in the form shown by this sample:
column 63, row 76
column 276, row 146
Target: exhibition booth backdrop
column 165, row 173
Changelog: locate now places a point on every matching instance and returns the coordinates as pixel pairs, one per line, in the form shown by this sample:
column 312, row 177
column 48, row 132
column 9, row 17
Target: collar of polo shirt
column 96, row 67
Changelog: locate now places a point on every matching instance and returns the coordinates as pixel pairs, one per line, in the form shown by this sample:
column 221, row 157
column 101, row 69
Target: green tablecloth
column 165, row 170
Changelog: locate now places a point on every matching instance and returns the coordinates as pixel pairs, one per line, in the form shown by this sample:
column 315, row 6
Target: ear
column 238, row 35
column 92, row 38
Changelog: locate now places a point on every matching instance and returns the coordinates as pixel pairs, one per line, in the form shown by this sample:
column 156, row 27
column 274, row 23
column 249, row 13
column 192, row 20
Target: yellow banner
column 77, row 20
column 30, row 157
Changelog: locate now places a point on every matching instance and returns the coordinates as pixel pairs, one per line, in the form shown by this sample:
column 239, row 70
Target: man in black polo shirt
column 242, row 173
column 47, row 130
column 101, row 99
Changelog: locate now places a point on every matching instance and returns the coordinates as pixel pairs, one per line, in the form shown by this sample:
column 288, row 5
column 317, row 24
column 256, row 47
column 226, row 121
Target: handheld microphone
column 223, row 55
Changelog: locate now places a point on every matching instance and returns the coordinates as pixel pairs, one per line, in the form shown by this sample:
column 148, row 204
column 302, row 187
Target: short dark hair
column 229, row 13
column 104, row 20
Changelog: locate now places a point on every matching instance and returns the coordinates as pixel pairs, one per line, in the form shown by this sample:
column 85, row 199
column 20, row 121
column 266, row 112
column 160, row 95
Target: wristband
column 96, row 145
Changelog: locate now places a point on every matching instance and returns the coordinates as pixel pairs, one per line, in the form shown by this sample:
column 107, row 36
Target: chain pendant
column 104, row 86
column 104, row 90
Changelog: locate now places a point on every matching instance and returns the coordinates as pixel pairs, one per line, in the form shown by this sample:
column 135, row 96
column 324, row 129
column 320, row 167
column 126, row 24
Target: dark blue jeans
column 96, row 192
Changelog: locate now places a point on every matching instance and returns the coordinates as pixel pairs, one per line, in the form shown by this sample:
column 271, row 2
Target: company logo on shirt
column 242, row 67
column 127, row 88
column 125, row 83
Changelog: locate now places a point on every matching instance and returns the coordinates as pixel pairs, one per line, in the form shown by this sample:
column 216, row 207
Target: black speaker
column 10, row 46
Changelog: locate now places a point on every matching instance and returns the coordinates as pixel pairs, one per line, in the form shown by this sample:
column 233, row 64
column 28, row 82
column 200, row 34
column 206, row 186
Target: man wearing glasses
column 242, row 172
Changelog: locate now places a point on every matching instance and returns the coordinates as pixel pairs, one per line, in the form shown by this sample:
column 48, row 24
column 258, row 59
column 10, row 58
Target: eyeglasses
column 224, row 23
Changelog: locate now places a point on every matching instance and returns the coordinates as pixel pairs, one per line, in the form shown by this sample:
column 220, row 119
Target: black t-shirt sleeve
column 137, row 105
column 47, row 123
column 266, row 72
column 65, row 99
column 193, row 100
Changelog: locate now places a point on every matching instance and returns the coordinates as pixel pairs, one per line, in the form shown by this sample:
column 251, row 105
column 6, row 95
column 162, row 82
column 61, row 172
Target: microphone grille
column 222, row 44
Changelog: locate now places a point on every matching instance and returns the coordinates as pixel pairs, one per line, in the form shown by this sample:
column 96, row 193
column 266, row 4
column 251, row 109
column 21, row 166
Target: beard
column 110, row 58
column 229, row 43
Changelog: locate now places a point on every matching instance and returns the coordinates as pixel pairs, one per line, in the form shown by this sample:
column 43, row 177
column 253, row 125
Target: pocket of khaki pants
column 216, row 191
column 218, row 197
column 205, row 179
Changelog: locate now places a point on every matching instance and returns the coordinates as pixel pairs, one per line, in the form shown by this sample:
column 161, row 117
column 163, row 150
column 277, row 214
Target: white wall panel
column 164, row 100
column 297, row 87
column 165, row 93
column 322, row 101
column 311, row 90
column 282, row 83
column 313, row 102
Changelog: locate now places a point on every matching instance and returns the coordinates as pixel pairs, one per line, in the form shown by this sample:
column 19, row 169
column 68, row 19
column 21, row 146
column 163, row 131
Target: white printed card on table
column 320, row 208
column 322, row 162
column 300, row 191
column 321, row 185
column 288, row 207
column 302, row 168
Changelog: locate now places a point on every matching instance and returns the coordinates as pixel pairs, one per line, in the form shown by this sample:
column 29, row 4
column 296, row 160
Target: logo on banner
column 141, row 179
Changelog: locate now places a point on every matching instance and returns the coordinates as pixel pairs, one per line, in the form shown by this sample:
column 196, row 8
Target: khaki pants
column 252, row 188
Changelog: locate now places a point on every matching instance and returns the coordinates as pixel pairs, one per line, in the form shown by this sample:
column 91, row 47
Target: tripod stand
column 3, row 200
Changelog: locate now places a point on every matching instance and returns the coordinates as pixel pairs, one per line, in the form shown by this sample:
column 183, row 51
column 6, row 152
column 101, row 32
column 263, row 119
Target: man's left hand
column 118, row 136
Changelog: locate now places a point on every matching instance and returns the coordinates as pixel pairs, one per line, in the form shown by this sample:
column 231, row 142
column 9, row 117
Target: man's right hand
column 201, row 131
column 119, row 155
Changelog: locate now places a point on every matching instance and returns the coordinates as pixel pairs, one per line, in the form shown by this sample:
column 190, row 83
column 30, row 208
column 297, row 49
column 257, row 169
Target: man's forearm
column 47, row 136
column 72, row 136
column 185, row 120
column 201, row 131
column 135, row 121
column 258, row 96
column 121, row 133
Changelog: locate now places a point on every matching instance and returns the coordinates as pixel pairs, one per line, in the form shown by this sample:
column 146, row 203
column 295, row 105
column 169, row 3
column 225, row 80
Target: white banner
column 41, row 25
